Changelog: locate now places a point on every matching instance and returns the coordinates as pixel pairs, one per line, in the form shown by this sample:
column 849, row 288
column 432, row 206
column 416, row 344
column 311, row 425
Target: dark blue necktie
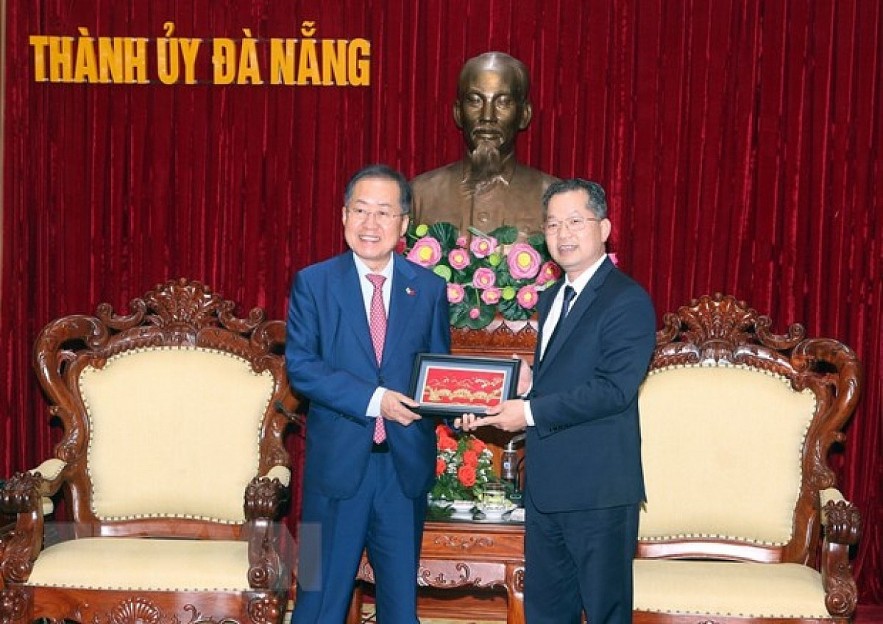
column 569, row 294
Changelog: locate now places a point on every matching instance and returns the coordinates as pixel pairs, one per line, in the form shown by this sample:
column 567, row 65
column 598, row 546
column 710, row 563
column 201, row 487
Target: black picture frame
column 448, row 386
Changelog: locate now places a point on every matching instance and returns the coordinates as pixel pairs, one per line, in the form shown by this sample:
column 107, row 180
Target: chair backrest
column 736, row 426
column 169, row 412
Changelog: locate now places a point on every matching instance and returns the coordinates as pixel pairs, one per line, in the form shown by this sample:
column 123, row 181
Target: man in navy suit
column 584, row 482
column 370, row 460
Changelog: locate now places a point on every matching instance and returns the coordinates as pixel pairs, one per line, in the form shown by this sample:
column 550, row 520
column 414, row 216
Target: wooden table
column 458, row 555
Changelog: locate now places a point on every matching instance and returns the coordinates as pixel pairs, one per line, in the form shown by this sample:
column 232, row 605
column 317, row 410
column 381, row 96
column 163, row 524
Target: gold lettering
column 249, row 70
column 135, row 68
column 85, row 65
column 360, row 63
column 308, row 68
column 282, row 61
column 334, row 62
column 60, row 69
column 307, row 61
column 189, row 49
column 308, row 28
column 110, row 59
column 39, row 43
column 224, row 61
column 167, row 56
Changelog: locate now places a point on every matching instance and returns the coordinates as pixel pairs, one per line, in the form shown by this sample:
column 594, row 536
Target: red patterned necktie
column 377, row 323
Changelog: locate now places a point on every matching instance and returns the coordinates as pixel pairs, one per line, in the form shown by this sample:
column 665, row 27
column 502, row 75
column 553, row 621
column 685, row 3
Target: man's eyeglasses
column 574, row 224
column 381, row 217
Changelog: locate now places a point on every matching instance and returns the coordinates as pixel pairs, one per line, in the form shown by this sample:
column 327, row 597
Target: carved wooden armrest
column 42, row 482
column 265, row 495
column 841, row 526
column 264, row 498
column 26, row 496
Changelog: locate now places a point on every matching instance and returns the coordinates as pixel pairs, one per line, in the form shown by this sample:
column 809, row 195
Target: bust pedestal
column 501, row 338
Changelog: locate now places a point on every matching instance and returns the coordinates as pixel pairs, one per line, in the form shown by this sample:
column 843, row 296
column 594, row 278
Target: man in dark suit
column 370, row 460
column 584, row 482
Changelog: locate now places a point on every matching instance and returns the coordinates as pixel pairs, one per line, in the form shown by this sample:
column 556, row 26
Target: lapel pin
column 410, row 291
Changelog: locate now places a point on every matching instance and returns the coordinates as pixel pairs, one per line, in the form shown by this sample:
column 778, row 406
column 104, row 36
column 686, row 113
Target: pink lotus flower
column 527, row 297
column 486, row 275
column 549, row 272
column 524, row 261
column 426, row 252
column 458, row 258
column 491, row 296
column 456, row 293
column 484, row 278
column 483, row 246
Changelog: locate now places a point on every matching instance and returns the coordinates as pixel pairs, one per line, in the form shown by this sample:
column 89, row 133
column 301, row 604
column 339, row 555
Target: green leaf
column 505, row 234
column 459, row 314
column 485, row 316
column 538, row 242
column 446, row 234
column 512, row 311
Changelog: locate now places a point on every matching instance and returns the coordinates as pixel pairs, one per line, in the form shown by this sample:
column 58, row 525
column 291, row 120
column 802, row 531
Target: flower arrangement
column 488, row 274
column 463, row 466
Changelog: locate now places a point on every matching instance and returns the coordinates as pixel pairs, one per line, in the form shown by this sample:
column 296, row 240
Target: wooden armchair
column 171, row 463
column 742, row 521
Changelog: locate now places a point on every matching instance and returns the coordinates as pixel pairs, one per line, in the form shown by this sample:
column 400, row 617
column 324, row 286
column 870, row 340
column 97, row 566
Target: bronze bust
column 487, row 188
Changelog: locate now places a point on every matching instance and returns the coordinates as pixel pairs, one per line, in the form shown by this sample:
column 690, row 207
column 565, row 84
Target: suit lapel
column 580, row 307
column 543, row 308
column 348, row 294
column 403, row 298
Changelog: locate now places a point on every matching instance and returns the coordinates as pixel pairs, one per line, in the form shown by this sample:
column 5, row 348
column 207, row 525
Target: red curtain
column 739, row 141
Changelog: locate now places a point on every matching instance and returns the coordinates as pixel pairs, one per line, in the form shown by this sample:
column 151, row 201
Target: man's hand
column 508, row 416
column 394, row 406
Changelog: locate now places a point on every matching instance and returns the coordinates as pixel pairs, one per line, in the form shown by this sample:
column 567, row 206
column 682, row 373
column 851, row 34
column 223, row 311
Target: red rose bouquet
column 463, row 466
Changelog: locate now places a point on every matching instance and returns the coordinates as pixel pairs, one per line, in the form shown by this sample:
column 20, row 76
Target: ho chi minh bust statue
column 487, row 188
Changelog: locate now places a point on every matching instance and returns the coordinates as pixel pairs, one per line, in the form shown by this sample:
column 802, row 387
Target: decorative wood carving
column 177, row 313
column 266, row 609
column 451, row 575
column 459, row 542
column 720, row 329
column 500, row 337
column 264, row 498
column 458, row 555
column 14, row 605
column 517, row 582
column 144, row 610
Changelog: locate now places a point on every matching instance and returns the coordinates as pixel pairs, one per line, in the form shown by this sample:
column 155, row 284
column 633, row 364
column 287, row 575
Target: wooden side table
column 466, row 555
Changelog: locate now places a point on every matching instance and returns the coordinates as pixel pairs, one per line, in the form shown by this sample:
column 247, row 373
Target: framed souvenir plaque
column 452, row 385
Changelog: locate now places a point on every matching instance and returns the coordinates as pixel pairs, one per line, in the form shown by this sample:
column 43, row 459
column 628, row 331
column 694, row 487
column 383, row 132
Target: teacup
column 494, row 503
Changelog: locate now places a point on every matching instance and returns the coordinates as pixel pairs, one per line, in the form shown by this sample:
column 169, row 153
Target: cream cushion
column 173, row 432
column 727, row 588
column 144, row 564
column 722, row 451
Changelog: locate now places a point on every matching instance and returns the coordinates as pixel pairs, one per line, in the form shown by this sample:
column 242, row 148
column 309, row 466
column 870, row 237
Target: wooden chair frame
column 179, row 313
column 721, row 329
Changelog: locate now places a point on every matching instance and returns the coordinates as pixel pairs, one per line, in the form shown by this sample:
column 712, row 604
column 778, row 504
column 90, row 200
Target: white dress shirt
column 367, row 294
column 555, row 312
